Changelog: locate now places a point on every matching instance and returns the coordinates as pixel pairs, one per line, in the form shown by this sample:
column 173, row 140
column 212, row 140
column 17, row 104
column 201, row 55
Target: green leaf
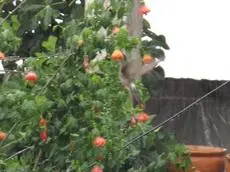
column 45, row 15
column 48, row 14
column 122, row 38
column 101, row 34
column 50, row 44
column 28, row 106
column 15, row 23
column 86, row 33
column 2, row 162
column 74, row 135
column 32, row 7
column 157, row 40
column 146, row 24
column 53, row 150
column 121, row 12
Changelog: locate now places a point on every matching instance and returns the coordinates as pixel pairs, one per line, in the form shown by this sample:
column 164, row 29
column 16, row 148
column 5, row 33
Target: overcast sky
column 198, row 33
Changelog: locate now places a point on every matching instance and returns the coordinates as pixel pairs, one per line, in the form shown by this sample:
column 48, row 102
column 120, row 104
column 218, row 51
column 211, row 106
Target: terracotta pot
column 205, row 159
column 228, row 163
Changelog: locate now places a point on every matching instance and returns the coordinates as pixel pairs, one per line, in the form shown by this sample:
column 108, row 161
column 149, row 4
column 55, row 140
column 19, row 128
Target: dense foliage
column 37, row 20
column 69, row 116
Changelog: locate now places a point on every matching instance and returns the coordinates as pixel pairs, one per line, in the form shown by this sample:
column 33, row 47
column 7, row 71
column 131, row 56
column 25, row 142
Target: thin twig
column 20, row 152
column 37, row 159
column 12, row 128
column 13, row 11
column 58, row 3
column 9, row 144
column 71, row 3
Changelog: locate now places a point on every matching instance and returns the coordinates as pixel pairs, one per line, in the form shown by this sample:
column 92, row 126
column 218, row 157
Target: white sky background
column 198, row 34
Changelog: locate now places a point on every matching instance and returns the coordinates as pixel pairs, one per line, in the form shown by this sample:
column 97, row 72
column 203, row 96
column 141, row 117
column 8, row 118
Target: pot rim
column 205, row 150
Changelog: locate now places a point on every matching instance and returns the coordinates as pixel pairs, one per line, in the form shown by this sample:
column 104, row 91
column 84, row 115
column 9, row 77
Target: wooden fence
column 206, row 123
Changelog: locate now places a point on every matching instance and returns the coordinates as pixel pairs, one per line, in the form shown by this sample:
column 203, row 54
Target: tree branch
column 13, row 11
column 37, row 159
column 20, row 152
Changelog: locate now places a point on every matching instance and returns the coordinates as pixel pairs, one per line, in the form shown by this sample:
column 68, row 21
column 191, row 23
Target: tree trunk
column 135, row 26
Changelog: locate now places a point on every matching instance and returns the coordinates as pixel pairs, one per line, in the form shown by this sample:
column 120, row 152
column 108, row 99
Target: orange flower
column 2, row 56
column 42, row 122
column 99, row 141
column 31, row 76
column 43, row 136
column 142, row 117
column 117, row 55
column 2, row 136
column 97, row 169
column 116, row 30
column 144, row 10
column 147, row 59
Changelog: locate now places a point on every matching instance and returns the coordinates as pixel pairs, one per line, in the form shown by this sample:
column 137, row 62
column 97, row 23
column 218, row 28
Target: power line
column 175, row 115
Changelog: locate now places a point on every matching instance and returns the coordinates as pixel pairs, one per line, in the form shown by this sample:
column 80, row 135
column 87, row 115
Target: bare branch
column 18, row 153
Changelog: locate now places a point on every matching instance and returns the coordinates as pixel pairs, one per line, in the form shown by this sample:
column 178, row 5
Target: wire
column 176, row 115
column 25, row 58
